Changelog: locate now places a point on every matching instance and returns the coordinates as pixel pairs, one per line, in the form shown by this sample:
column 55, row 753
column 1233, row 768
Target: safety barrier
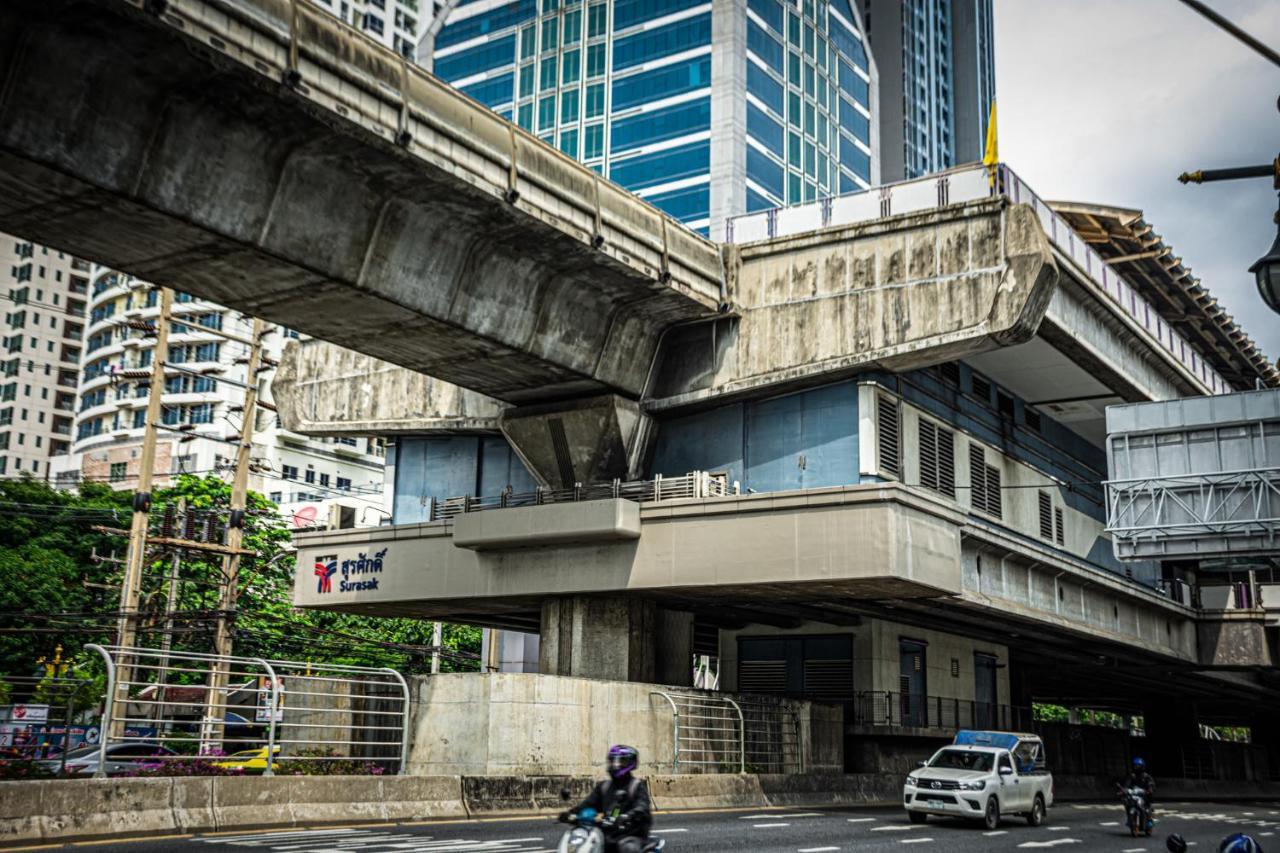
column 914, row 710
column 176, row 704
column 708, row 733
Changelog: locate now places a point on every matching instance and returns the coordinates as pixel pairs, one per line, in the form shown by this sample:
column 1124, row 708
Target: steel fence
column 707, row 732
column 907, row 710
column 698, row 484
column 774, row 739
column 41, row 724
column 292, row 711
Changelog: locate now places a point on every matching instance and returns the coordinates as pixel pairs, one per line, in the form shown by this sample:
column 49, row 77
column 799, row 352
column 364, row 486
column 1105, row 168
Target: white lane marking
column 1266, row 833
column 776, row 815
column 1057, row 828
column 896, row 827
column 996, row 832
column 768, row 825
column 816, row 849
column 665, row 831
column 914, row 840
column 1054, row 843
column 1109, row 823
column 860, row 819
column 1136, row 850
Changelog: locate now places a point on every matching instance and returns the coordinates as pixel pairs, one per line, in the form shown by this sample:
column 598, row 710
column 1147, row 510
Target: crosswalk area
column 374, row 841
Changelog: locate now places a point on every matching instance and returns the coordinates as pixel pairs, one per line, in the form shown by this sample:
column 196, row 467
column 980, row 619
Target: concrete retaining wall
column 60, row 810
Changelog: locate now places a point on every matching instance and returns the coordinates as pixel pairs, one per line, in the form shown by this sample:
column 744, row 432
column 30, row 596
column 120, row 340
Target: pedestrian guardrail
column 912, row 710
column 773, row 735
column 707, row 731
column 237, row 711
column 698, row 484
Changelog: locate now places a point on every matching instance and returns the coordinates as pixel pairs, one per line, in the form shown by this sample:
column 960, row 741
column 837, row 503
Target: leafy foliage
column 53, row 591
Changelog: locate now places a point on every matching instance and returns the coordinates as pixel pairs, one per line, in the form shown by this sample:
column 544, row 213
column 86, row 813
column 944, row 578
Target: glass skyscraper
column 937, row 67
column 706, row 109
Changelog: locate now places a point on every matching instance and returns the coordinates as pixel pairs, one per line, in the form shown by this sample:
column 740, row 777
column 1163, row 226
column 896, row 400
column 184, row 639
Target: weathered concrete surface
column 363, row 201
column 324, row 389
column 901, row 292
column 1234, row 638
column 549, row 524
column 594, row 440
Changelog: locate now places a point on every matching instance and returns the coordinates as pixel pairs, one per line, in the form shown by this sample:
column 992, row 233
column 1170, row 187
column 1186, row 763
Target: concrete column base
column 621, row 639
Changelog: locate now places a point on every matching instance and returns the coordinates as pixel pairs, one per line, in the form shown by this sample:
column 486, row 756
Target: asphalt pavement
column 1084, row 827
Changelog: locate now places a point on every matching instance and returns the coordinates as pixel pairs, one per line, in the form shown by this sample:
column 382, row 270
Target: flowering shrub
column 21, row 769
column 185, row 766
column 324, row 762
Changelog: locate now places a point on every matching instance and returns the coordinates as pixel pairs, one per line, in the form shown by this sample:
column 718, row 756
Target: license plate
column 937, row 803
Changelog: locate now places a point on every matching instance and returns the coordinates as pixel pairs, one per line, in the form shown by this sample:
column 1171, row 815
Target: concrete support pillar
column 588, row 441
column 1171, row 728
column 617, row 638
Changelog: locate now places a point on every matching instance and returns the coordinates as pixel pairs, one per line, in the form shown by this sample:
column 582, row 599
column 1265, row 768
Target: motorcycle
column 588, row 830
column 1137, row 811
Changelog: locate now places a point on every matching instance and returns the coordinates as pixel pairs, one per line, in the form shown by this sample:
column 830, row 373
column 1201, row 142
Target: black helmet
column 622, row 760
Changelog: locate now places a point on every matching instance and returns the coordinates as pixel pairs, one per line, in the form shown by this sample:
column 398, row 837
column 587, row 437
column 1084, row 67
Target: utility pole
column 131, row 586
column 437, row 637
column 212, row 730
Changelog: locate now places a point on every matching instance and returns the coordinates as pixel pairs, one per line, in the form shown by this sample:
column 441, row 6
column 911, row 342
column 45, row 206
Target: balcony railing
column 699, row 484
column 884, row 709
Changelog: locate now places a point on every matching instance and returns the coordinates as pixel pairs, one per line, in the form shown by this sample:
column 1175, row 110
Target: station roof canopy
column 1130, row 245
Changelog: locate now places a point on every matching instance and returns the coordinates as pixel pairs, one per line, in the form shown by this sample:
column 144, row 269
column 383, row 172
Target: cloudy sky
column 1109, row 100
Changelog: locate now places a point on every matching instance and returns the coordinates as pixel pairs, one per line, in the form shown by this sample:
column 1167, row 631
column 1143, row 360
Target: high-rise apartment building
column 396, row 23
column 44, row 309
column 205, row 374
column 706, row 109
column 937, row 81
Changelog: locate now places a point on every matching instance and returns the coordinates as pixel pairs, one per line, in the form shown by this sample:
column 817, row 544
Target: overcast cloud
column 1109, row 100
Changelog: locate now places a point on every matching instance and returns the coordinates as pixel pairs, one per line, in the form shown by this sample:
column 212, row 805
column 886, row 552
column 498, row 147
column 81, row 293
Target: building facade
column 44, row 316
column 705, row 109
column 398, row 24
column 311, row 479
column 937, row 82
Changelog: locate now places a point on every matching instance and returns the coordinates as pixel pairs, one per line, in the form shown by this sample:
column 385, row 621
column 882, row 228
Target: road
column 1084, row 827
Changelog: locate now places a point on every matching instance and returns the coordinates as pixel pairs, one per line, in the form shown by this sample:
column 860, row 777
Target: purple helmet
column 622, row 761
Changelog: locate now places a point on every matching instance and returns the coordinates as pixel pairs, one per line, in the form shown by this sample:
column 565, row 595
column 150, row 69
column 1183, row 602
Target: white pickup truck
column 984, row 776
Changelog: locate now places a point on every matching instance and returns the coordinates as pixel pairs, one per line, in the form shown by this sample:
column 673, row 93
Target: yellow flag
column 991, row 158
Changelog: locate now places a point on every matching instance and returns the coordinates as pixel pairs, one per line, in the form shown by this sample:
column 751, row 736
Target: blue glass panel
column 649, row 170
column 854, row 159
column 489, row 22
column 770, row 11
column 757, row 202
column 686, row 204
column 848, row 44
column 491, row 92
column 660, row 125
column 664, row 41
column 662, row 83
column 764, row 87
column 474, row 60
column 764, row 171
column 764, row 46
column 852, row 84
column 764, row 129
column 847, row 185
column 854, row 121
column 628, row 13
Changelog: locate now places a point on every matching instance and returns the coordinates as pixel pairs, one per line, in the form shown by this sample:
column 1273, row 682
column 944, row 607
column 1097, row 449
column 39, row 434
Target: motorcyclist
column 623, row 799
column 1139, row 778
column 1237, row 843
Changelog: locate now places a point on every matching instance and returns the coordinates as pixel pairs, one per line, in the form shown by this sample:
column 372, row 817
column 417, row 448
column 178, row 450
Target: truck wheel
column 991, row 817
column 1035, row 817
column 917, row 817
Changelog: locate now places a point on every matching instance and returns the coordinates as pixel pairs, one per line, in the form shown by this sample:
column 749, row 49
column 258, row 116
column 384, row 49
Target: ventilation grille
column 982, row 388
column 1046, row 516
column 985, row 481
column 828, row 679
column 950, row 371
column 937, row 459
column 1032, row 417
column 1059, row 535
column 762, row 676
column 889, row 437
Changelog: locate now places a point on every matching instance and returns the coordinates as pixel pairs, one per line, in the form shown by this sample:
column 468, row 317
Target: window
column 764, row 171
column 982, row 388
column 550, row 34
column 547, row 74
column 595, row 100
column 569, row 107
column 1004, row 405
column 311, row 475
column 547, row 112
column 660, row 125
column 663, row 41
column 118, row 470
column 572, row 27
column 984, row 483
column 764, row 46
column 571, row 68
column 659, row 167
column 664, row 82
column 275, row 497
column 324, row 479
column 950, row 371
column 344, row 484
column 595, row 61
column 888, row 436
column 937, row 459
column 597, row 20
column 289, row 472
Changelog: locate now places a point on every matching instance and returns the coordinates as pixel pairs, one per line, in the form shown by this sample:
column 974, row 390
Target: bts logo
column 326, row 568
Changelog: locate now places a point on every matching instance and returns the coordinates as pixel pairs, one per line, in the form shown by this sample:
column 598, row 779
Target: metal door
column 912, row 684
column 984, row 691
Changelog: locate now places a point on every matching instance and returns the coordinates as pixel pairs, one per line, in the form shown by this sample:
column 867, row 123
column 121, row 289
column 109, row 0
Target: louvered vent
column 762, row 676
column 950, row 372
column 937, row 459
column 828, row 679
column 1046, row 516
column 982, row 388
column 1059, row 535
column 985, row 481
column 1032, row 417
column 887, row 414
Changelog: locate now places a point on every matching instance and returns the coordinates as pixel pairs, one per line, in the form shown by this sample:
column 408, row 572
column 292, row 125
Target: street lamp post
column 1266, row 269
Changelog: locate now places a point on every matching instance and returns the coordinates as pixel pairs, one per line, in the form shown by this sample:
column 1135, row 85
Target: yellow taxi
column 248, row 760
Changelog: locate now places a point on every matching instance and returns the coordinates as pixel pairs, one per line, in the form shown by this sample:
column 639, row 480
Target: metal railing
column 906, row 710
column 42, row 725
column 708, row 733
column 774, row 740
column 289, row 710
column 698, row 484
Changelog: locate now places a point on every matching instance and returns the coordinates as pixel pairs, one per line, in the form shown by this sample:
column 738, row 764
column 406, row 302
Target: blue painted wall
column 430, row 469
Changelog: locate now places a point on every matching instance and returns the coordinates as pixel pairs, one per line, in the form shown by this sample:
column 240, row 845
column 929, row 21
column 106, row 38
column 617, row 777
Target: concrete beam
column 261, row 154
column 595, row 440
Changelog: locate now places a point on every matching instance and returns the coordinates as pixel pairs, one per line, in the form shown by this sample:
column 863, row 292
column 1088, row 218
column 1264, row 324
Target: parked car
column 249, row 760
column 982, row 776
column 120, row 758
